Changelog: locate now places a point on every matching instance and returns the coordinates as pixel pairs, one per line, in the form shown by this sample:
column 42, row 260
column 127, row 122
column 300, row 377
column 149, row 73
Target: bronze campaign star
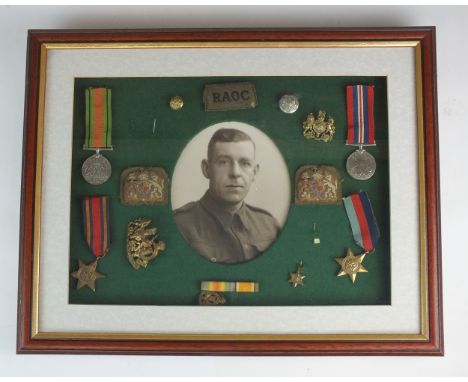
column 296, row 278
column 87, row 275
column 351, row 265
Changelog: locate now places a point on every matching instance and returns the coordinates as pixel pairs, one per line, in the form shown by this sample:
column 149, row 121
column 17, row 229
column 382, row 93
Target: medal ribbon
column 362, row 220
column 360, row 110
column 96, row 224
column 98, row 118
column 230, row 286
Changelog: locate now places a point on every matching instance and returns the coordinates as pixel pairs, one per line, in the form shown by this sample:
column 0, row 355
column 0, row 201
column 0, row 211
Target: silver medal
column 288, row 103
column 96, row 169
column 361, row 165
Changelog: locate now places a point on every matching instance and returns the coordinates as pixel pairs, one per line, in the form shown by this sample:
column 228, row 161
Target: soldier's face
column 231, row 170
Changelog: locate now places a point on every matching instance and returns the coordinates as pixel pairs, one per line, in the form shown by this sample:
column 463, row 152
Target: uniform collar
column 219, row 211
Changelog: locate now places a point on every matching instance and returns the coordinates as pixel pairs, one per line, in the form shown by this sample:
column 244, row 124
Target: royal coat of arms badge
column 318, row 128
column 144, row 185
column 318, row 185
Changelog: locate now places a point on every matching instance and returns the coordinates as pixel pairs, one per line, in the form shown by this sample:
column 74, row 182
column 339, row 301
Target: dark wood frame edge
column 432, row 346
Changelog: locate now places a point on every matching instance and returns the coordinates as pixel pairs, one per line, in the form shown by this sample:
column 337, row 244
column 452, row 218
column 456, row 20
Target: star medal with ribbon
column 360, row 110
column 97, row 236
column 97, row 169
column 365, row 232
column 351, row 265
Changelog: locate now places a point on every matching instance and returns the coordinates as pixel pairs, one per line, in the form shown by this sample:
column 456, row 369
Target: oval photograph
column 230, row 192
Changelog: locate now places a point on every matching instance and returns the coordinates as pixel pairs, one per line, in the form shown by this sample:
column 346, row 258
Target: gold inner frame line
column 234, row 44
column 422, row 195
column 230, row 337
column 424, row 333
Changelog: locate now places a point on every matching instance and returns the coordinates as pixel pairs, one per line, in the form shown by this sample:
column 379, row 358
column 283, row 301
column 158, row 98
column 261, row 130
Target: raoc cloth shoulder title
column 229, row 96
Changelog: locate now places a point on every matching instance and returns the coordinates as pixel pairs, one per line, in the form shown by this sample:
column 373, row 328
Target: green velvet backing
column 174, row 277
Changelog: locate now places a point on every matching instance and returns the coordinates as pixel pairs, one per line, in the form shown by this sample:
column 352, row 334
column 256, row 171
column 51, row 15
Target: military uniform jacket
column 223, row 236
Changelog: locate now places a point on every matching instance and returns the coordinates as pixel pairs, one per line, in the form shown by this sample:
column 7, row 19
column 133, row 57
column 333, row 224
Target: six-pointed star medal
column 351, row 265
column 87, row 275
column 297, row 278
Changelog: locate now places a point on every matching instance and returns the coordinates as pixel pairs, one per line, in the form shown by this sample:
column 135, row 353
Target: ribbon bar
column 98, row 118
column 230, row 286
column 96, row 224
column 362, row 220
column 360, row 111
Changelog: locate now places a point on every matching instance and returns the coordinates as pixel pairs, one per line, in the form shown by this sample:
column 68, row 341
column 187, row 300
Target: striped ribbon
column 98, row 118
column 96, row 224
column 360, row 105
column 230, row 286
column 362, row 220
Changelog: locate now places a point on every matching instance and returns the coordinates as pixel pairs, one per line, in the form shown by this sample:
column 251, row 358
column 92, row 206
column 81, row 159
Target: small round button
column 176, row 103
column 288, row 103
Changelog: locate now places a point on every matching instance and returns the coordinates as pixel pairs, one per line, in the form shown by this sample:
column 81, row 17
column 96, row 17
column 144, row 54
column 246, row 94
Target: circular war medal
column 96, row 169
column 361, row 165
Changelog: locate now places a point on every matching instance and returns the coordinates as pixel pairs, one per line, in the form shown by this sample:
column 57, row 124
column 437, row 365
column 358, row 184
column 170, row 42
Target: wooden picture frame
column 418, row 42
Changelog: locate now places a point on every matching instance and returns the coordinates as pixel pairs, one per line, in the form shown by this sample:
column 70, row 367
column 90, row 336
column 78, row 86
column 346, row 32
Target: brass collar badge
column 142, row 246
column 211, row 298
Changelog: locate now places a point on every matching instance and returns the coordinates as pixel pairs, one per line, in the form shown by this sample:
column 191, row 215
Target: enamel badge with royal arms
column 318, row 185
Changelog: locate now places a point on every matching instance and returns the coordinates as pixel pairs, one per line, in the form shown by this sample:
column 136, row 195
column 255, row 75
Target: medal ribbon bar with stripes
column 362, row 220
column 96, row 224
column 360, row 112
column 98, row 118
column 230, row 286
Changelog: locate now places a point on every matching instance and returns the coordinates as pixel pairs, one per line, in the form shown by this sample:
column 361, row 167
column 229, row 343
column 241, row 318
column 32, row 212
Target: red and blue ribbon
column 362, row 220
column 96, row 224
column 360, row 111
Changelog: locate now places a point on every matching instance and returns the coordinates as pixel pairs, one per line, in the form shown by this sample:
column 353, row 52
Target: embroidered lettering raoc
column 229, row 96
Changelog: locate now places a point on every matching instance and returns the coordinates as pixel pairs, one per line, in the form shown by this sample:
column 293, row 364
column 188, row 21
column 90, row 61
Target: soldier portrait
column 221, row 226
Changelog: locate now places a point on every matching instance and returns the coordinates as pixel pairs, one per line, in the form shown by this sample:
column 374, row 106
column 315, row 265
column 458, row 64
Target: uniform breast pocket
column 262, row 243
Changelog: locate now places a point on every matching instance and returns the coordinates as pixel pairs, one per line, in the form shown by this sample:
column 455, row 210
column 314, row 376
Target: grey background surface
column 453, row 124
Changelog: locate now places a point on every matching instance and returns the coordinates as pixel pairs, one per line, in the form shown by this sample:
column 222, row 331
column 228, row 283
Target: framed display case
column 231, row 192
